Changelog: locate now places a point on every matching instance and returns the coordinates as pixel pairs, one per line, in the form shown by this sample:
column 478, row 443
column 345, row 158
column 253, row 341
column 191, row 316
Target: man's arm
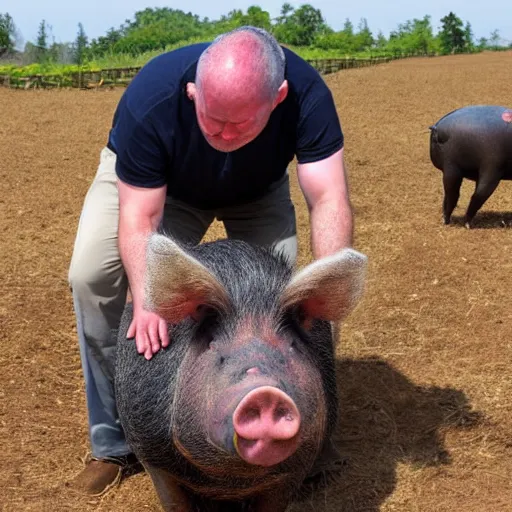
column 325, row 188
column 140, row 212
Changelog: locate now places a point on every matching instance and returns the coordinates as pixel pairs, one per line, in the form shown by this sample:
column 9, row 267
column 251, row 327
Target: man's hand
column 149, row 330
column 140, row 211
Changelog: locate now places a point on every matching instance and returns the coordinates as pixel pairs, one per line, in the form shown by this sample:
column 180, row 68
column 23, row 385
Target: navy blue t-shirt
column 157, row 139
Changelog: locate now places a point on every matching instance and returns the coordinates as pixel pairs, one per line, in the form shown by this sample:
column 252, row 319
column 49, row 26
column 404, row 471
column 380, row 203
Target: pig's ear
column 328, row 288
column 176, row 284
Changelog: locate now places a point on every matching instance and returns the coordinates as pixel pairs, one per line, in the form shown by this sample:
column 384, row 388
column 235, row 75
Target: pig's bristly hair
column 328, row 288
column 176, row 283
column 167, row 396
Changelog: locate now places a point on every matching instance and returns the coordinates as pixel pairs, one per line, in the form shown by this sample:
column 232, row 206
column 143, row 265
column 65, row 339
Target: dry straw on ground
column 425, row 362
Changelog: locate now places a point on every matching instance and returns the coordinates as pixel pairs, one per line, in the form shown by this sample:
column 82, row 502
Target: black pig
column 237, row 413
column 473, row 142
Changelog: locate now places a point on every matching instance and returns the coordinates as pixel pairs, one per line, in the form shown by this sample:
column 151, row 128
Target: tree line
column 155, row 29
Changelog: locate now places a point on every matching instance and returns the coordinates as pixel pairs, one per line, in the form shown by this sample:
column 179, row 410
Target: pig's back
column 478, row 122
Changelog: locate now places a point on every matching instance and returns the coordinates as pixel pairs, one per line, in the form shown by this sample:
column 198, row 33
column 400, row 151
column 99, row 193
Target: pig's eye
column 200, row 312
column 300, row 316
column 206, row 328
column 296, row 319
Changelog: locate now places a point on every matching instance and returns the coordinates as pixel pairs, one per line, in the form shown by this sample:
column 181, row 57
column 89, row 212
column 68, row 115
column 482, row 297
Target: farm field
column 425, row 362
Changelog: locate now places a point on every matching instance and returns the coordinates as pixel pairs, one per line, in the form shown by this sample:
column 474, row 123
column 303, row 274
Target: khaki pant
column 99, row 283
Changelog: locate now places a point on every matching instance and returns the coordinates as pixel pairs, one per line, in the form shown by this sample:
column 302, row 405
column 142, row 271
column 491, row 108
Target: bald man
column 203, row 132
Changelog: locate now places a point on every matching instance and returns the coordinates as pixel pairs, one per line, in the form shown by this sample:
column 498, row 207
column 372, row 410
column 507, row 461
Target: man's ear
column 281, row 94
column 191, row 91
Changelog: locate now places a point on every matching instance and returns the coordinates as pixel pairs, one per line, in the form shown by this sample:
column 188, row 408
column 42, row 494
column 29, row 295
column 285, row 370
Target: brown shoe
column 101, row 475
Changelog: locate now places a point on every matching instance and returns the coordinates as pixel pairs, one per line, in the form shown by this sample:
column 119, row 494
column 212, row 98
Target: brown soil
column 425, row 361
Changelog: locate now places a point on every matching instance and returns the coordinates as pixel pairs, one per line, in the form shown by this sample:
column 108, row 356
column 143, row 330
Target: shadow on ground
column 385, row 419
column 486, row 220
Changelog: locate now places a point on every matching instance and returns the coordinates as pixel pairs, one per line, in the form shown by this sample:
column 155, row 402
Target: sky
column 97, row 16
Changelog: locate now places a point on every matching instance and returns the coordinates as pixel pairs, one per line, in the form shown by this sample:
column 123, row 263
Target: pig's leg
column 452, row 180
column 485, row 186
column 172, row 497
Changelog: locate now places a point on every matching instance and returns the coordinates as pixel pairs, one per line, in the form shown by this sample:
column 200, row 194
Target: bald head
column 246, row 64
column 239, row 82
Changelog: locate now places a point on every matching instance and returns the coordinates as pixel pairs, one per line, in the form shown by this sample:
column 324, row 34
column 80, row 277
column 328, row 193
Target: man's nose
column 229, row 132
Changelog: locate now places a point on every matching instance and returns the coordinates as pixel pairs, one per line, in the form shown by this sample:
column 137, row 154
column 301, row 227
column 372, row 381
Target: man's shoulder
column 169, row 67
column 161, row 78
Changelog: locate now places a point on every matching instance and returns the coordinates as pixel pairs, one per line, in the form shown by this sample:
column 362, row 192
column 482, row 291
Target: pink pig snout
column 266, row 423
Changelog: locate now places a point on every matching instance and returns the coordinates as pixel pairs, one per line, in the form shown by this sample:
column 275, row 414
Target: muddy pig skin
column 236, row 414
column 473, row 142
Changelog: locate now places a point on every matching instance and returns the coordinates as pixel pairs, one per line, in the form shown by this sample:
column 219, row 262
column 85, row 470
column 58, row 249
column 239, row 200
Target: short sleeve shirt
column 157, row 139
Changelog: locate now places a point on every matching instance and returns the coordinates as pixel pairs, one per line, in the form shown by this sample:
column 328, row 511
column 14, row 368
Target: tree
column 42, row 42
column 300, row 26
column 286, row 11
column 335, row 40
column 363, row 40
column 104, row 44
column 155, row 29
column 309, row 23
column 468, row 37
column 257, row 17
column 30, row 53
column 495, row 39
column 413, row 36
column 7, row 33
column 422, row 35
column 348, row 28
column 452, row 34
column 482, row 43
column 80, row 45
column 63, row 53
column 42, row 36
column 283, row 28
column 381, row 41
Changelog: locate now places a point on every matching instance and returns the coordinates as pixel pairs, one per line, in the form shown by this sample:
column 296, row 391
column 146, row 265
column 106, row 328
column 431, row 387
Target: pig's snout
column 267, row 424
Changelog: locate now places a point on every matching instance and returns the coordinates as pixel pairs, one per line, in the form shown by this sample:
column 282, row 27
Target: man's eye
column 214, row 125
column 243, row 125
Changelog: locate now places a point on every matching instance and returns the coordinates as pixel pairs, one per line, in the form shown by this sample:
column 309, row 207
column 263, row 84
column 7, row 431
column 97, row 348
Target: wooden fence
column 122, row 76
column 326, row 66
column 80, row 80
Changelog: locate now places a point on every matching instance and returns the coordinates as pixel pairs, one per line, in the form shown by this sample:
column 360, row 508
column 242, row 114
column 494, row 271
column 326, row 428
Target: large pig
column 237, row 413
column 473, row 142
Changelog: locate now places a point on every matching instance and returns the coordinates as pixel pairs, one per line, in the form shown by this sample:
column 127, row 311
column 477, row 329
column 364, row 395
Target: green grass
column 44, row 69
column 125, row 61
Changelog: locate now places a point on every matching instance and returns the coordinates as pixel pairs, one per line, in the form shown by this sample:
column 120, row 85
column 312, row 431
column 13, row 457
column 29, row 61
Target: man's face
column 229, row 126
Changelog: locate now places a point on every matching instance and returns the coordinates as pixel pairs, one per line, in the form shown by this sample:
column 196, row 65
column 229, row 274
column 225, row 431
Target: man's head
column 239, row 82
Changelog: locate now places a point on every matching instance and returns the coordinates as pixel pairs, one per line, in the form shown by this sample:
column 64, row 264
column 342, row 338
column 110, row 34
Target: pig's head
column 251, row 391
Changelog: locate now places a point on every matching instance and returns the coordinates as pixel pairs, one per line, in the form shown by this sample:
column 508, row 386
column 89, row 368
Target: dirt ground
column 425, row 363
